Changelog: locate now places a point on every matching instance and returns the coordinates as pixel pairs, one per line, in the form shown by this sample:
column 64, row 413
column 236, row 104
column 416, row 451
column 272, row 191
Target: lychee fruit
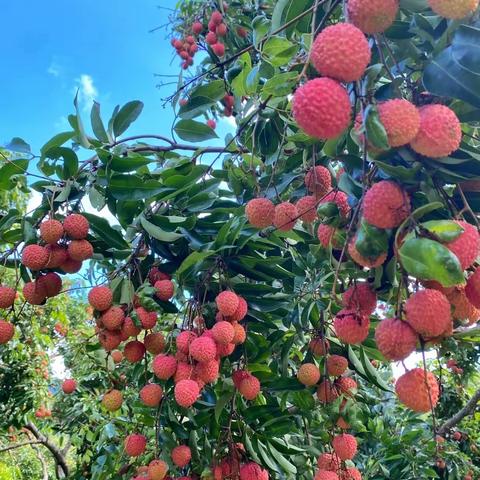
column 386, row 205
column 223, row 333
column 372, row 16
column 351, row 327
column 240, row 335
column 69, row 385
column 157, row 470
column 340, row 199
column 164, row 366
column 203, row 349
column 308, row 374
column 69, row 265
column 100, row 298
column 428, row 313
column 325, row 475
column 112, row 400
column 112, row 318
column 453, row 9
column 321, row 107
column 463, row 309
column 341, row 52
column 154, row 342
column 319, row 346
column 467, row 245
column 307, row 208
column 186, row 392
column 207, row 372
column 253, row 471
column 286, row 216
column 326, row 392
column 181, row 456
column 249, row 387
column 328, row 461
column 216, row 17
column 211, row 38
column 80, row 250
column 336, row 365
column 7, row 331
column 347, row 385
column 147, row 319
column 34, row 257
column 110, row 340
column 260, row 212
column 184, row 340
column 418, row 390
column 318, row 180
column 221, row 30
column 184, row 371
column 227, row 302
column 117, row 356
column 51, row 231
column 326, row 236
column 440, row 132
column 367, row 262
column 7, row 296
column 57, row 255
column 135, row 444
column 395, row 339
column 345, row 446
column 350, row 473
column 240, row 312
column 134, row 351
column 50, row 283
column 218, row 49
column 165, row 289
column 361, row 298
column 129, row 329
column 34, row 294
column 76, row 226
column 472, row 288
column 401, row 120
column 151, row 395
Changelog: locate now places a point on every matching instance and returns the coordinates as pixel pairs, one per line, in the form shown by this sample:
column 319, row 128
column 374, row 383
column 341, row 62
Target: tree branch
column 13, row 446
column 468, row 409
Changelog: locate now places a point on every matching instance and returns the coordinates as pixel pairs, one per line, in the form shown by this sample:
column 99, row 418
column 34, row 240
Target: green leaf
column 77, row 124
column 126, row 116
column 214, row 91
column 374, row 129
column 277, row 14
column 279, row 51
column 102, row 229
column 18, row 145
column 11, row 168
column 127, row 292
column 69, row 157
column 193, row 131
column 194, row 258
column 221, row 403
column 194, row 107
column 158, row 233
column 444, row 230
column 239, row 83
column 97, row 124
column 133, row 187
column 371, row 241
column 426, row 259
column 280, row 85
column 57, row 141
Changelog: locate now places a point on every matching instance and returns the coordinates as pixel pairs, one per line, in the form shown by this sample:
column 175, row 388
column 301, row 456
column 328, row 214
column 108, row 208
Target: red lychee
column 34, row 294
column 129, row 329
column 319, row 346
column 164, row 366
column 249, row 387
column 57, row 255
column 110, row 340
column 51, row 231
column 253, row 471
column 227, row 302
column 154, row 275
column 69, row 265
column 336, row 365
column 326, row 392
column 466, row 246
column 286, row 215
column 100, row 298
column 165, row 289
column 7, row 296
column 211, row 38
column 386, row 205
column 308, row 374
column 197, row 28
column 401, row 120
column 203, row 349
column 69, row 386
column 322, row 108
column 340, row 199
column 328, row 461
column 345, row 446
column 221, row 30
column 184, row 371
column 325, row 475
column 76, row 226
column 218, row 49
column 361, row 298
column 147, row 319
column 428, row 313
column 186, row 392
column 341, row 52
column 181, row 456
column 216, row 17
column 134, row 351
column 440, row 132
column 50, row 283
column 207, row 372
column 351, row 327
column 463, row 310
column 318, row 180
column 350, row 473
column 307, row 208
column 453, row 9
column 472, row 289
column 418, row 390
column 151, row 394
column 326, row 236
column 395, row 339
column 372, row 16
column 154, row 342
column 184, row 340
column 34, row 257
column 240, row 312
column 240, row 335
column 347, row 385
column 157, row 470
column 112, row 318
column 135, row 444
column 112, row 400
column 7, row 331
column 223, row 332
column 260, row 212
column 117, row 356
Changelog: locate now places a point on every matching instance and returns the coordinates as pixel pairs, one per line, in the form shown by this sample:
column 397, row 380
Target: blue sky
column 102, row 47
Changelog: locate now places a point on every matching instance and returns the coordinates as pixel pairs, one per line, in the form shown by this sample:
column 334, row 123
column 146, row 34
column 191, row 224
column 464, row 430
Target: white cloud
column 87, row 91
column 54, row 69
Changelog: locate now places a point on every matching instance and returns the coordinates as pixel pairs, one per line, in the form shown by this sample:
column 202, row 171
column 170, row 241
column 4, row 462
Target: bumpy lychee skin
column 69, row 265
column 340, row 199
column 34, row 294
column 370, row 262
column 286, row 216
column 318, row 180
column 165, row 289
column 308, row 374
column 76, row 226
column 80, row 250
column 253, row 471
column 134, row 351
column 110, row 340
column 386, row 205
column 135, row 444
column 453, row 9
column 7, row 331
column 51, row 231
column 326, row 236
column 249, row 387
column 50, row 283
column 440, row 132
column 395, row 339
column 351, row 327
column 57, row 255
column 328, row 461
column 347, row 385
column 240, row 312
column 154, row 342
column 240, row 335
column 350, row 473
column 129, row 329
column 372, row 16
column 34, row 257
column 428, row 313
column 307, row 208
column 321, row 107
column 203, row 349
column 260, row 212
column 401, row 120
column 184, row 340
column 462, row 309
column 466, row 246
column 151, row 394
column 472, row 289
column 100, row 298
column 184, row 371
column 319, row 346
column 223, row 333
column 7, row 296
column 164, row 366
column 341, row 52
column 418, row 391
column 112, row 400
column 186, row 392
column 336, row 365
column 326, row 392
column 361, row 298
column 69, row 385
column 326, row 475
column 157, row 470
column 117, row 356
column 227, row 303
column 147, row 319
column 181, row 456
column 345, row 446
column 113, row 318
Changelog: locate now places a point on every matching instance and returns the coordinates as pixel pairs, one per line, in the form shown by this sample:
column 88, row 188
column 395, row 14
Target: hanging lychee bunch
column 217, row 30
column 186, row 49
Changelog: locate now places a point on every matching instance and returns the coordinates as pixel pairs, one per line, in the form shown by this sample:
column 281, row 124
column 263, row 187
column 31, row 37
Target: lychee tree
column 252, row 292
